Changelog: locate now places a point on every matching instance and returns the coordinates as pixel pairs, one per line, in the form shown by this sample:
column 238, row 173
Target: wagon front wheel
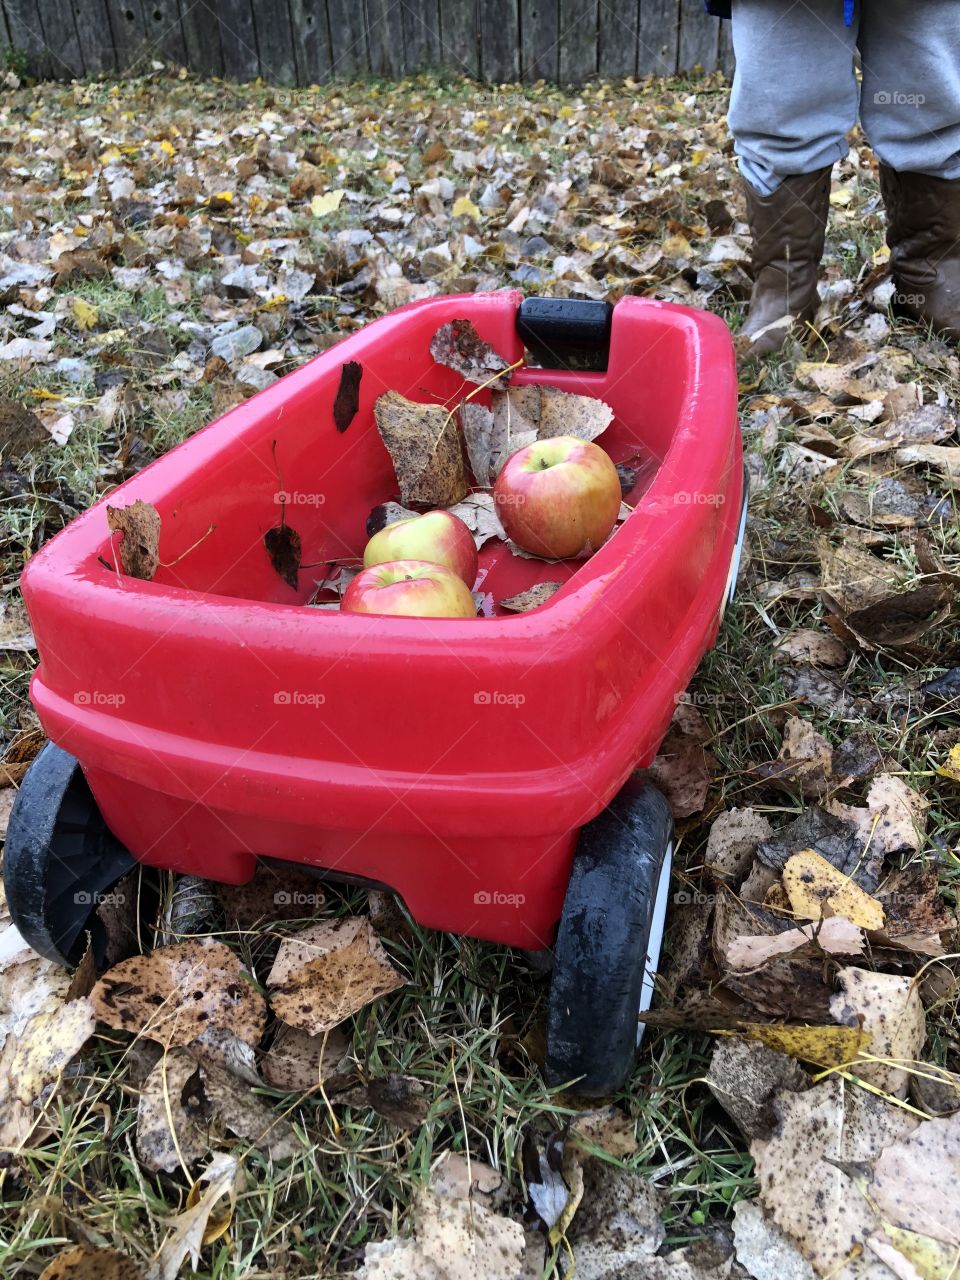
column 608, row 944
column 58, row 859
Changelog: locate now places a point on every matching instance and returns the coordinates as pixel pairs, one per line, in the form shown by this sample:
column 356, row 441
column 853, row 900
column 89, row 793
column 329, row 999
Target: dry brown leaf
column 914, row 913
column 347, row 400
column 139, row 548
column 479, row 514
column 284, row 546
column 532, row 598
column 888, row 1007
column 425, row 447
column 47, row 1044
column 450, row 1240
column 816, row 889
column 818, row 648
column 298, row 1063
column 745, row 1077
column 458, row 346
column 491, row 437
column 455, row 1177
column 328, row 972
column 21, row 432
column 895, row 816
column 206, row 1218
column 683, row 767
column 942, row 458
column 170, row 1115
column 551, row 412
column 806, row 1195
column 175, row 993
column 608, row 1129
column 84, row 1262
column 400, row 1099
column 914, row 1181
column 805, row 760
column 763, row 1249
column 835, row 935
column 733, row 840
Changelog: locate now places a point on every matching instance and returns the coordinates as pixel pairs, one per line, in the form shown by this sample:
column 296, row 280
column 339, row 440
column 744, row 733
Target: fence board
column 659, row 36
column 500, row 41
column 460, row 35
column 311, row 40
column 348, row 39
column 540, row 40
column 60, row 32
column 579, row 24
column 274, row 29
column 26, row 35
column 161, row 18
column 421, row 34
column 238, row 40
column 697, row 40
column 129, row 33
column 96, row 38
column 201, row 35
column 619, row 37
column 725, row 59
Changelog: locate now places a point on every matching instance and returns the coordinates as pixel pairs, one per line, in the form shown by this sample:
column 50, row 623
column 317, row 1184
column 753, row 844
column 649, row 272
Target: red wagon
column 480, row 768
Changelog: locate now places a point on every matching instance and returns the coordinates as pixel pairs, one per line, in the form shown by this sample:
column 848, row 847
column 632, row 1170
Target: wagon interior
column 216, row 509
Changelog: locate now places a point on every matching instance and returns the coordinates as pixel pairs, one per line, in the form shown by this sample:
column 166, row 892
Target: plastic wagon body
column 218, row 721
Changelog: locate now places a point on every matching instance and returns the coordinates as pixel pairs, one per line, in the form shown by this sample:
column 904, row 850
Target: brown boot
column 923, row 232
column 788, row 229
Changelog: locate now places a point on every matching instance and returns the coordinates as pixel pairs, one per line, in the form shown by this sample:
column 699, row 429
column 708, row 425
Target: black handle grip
column 566, row 333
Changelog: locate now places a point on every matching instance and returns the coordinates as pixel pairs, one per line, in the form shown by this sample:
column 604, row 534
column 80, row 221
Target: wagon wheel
column 608, row 943
column 58, row 858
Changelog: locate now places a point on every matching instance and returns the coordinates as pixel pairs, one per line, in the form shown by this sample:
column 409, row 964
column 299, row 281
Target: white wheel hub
column 655, row 939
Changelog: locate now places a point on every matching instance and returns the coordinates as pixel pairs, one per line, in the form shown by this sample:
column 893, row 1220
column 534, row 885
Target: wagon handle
column 566, row 333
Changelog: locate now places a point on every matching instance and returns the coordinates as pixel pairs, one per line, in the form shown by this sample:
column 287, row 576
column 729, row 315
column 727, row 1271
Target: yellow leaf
column 109, row 155
column 951, row 766
column 823, row 1046
column 817, row 889
column 320, row 206
column 699, row 156
column 226, row 197
column 85, row 315
column 842, row 196
column 465, row 208
column 167, row 147
column 677, row 247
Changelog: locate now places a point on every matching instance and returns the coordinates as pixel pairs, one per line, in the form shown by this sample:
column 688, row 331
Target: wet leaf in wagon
column 347, row 402
column 139, row 548
column 459, row 346
column 285, row 549
column 426, row 450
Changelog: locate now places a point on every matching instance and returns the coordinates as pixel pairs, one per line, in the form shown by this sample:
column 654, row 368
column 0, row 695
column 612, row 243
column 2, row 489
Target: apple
column 439, row 536
column 409, row 588
column 557, row 498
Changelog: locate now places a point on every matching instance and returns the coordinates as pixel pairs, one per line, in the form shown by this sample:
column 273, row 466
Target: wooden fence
column 312, row 41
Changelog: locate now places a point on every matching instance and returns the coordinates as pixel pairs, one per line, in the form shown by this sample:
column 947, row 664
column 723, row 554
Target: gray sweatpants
column 796, row 96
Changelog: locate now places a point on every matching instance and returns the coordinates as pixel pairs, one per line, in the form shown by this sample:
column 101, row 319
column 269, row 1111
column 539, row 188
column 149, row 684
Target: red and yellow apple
column 409, row 588
column 438, row 536
column 558, row 498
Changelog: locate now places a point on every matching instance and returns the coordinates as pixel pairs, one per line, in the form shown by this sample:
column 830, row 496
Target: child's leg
column 910, row 108
column 794, row 91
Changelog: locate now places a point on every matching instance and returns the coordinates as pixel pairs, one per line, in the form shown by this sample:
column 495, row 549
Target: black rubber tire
column 58, row 858
column 601, row 951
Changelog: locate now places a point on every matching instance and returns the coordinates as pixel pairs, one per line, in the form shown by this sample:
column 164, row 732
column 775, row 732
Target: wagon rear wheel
column 58, row 859
column 608, row 943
